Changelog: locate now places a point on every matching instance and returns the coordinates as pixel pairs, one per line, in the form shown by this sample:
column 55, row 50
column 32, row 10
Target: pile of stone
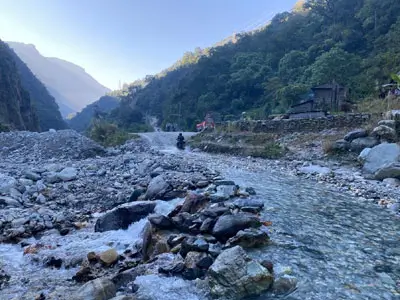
column 203, row 238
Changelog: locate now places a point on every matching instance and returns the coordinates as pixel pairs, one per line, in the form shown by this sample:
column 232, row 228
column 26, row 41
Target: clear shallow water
column 337, row 247
column 29, row 275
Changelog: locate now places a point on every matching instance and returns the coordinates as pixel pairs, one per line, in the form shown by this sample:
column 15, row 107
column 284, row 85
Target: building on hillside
column 330, row 97
column 324, row 98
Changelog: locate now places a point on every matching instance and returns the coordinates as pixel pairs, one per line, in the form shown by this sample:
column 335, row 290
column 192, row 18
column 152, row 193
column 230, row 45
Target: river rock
column 121, row 217
column 389, row 123
column 359, row 144
column 192, row 258
column 160, row 221
column 363, row 155
column 355, row 134
column 249, row 238
column 391, row 170
column 228, row 225
column 315, row 169
column 234, row 275
column 135, row 195
column 284, row 285
column 224, row 192
column 380, row 156
column 193, row 203
column 125, row 297
column 32, row 176
column 155, row 287
column 147, row 241
column 341, row 146
column 158, row 186
column 98, row 289
column 256, row 203
column 384, row 132
column 193, row 244
column 108, row 257
column 68, row 174
column 6, row 183
column 393, row 182
column 207, row 225
column 8, row 201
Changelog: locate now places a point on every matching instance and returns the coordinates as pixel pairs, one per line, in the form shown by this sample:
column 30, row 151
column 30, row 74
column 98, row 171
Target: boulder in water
column 108, row 257
column 157, row 188
column 160, row 221
column 98, row 289
column 249, row 238
column 234, row 275
column 228, row 225
column 122, row 216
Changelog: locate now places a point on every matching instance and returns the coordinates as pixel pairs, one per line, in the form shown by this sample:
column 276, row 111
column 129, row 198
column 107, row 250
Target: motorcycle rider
column 181, row 140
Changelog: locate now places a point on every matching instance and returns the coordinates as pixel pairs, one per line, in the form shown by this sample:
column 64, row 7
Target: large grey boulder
column 359, row 144
column 381, row 155
column 363, row 155
column 234, row 275
column 389, row 123
column 157, row 188
column 384, row 132
column 6, row 183
column 355, row 134
column 121, row 217
column 98, row 289
column 228, row 225
column 391, row 170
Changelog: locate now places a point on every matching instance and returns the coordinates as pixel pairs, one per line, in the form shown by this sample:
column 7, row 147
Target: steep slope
column 352, row 42
column 46, row 107
column 74, row 87
column 82, row 120
column 16, row 111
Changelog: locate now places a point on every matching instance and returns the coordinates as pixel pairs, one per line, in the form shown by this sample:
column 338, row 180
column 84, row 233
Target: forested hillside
column 16, row 111
column 81, row 121
column 354, row 42
column 45, row 105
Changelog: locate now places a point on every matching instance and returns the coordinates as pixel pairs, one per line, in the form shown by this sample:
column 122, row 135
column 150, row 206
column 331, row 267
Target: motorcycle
column 180, row 145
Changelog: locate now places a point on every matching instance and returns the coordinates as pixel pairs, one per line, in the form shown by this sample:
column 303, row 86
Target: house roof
column 302, row 103
column 327, row 86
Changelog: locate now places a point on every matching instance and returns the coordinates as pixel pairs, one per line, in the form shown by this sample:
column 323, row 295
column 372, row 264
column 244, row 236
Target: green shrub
column 107, row 134
column 4, row 128
column 270, row 150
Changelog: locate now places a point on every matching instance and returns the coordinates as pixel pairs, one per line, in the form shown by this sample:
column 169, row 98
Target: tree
column 335, row 65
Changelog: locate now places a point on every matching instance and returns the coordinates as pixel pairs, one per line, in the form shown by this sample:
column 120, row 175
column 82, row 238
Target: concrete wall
column 298, row 125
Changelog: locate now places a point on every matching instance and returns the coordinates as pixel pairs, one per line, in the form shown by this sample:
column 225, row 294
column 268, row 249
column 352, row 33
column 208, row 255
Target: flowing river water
column 336, row 246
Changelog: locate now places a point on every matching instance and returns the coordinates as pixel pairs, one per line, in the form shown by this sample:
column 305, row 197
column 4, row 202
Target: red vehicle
column 208, row 123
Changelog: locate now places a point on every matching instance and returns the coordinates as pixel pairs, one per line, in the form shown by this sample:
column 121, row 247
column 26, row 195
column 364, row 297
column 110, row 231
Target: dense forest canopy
column 352, row 42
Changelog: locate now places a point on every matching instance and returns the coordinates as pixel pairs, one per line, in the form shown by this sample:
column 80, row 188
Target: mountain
column 82, row 120
column 352, row 42
column 71, row 86
column 16, row 110
column 45, row 105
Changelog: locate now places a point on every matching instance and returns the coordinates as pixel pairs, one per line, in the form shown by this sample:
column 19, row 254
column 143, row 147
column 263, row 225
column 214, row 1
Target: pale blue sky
column 128, row 39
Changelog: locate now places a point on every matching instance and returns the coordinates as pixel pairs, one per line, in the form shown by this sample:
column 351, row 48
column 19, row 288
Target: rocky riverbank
column 121, row 220
column 340, row 158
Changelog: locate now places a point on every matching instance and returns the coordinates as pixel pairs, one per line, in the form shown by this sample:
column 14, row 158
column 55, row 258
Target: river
column 336, row 246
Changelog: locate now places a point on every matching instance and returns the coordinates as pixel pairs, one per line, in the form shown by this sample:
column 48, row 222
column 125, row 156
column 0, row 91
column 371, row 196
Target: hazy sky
column 128, row 39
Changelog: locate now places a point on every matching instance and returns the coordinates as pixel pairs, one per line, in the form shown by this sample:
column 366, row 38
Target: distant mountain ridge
column 70, row 85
